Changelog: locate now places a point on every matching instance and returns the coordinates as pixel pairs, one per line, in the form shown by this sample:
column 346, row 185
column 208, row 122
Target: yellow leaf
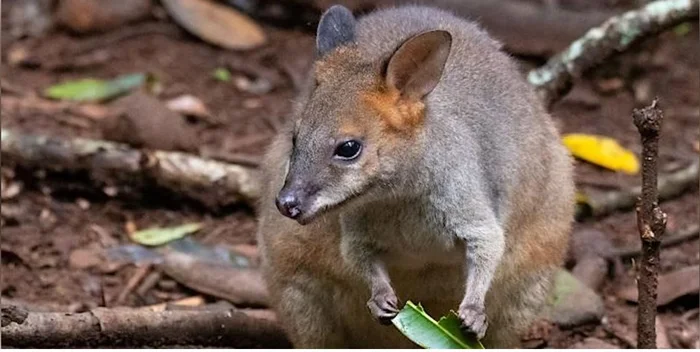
column 602, row 151
column 581, row 198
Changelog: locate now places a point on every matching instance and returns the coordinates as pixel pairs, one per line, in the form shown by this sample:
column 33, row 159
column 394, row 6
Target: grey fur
column 459, row 215
column 336, row 28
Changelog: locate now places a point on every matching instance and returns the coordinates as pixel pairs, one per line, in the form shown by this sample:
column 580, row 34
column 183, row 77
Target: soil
column 54, row 215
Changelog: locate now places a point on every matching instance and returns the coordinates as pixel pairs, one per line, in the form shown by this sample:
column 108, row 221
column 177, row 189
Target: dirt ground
column 52, row 216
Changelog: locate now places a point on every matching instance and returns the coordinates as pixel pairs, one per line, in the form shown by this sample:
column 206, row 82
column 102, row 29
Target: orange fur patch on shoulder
column 399, row 114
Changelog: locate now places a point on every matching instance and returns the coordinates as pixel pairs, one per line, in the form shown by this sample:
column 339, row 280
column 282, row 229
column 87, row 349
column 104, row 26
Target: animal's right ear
column 336, row 28
column 416, row 66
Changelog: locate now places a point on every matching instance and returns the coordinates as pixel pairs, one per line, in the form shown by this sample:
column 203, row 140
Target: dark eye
column 348, row 150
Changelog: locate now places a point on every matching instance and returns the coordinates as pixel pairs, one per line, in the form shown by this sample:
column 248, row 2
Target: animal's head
column 361, row 122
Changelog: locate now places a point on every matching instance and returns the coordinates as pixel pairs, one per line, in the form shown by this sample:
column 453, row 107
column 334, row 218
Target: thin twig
column 148, row 283
column 135, row 279
column 651, row 221
column 554, row 79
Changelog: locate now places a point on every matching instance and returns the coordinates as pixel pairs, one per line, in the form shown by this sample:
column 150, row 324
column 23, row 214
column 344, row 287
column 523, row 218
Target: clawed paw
column 473, row 320
column 384, row 307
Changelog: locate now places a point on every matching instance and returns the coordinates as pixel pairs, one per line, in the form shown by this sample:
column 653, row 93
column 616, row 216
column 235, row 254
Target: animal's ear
column 336, row 28
column 416, row 66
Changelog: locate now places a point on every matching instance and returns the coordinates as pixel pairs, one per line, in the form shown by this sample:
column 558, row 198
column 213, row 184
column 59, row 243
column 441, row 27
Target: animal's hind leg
column 309, row 323
column 511, row 315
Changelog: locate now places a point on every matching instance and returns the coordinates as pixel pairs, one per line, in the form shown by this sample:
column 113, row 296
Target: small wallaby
column 418, row 165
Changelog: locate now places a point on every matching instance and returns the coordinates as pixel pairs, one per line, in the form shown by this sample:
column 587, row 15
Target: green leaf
column 222, row 74
column 95, row 89
column 420, row 328
column 159, row 236
column 682, row 29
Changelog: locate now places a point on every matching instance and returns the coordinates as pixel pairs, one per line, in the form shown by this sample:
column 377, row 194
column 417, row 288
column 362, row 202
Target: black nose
column 288, row 205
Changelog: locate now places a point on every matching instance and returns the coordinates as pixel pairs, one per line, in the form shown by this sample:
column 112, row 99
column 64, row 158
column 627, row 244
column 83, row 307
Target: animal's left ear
column 336, row 28
column 416, row 66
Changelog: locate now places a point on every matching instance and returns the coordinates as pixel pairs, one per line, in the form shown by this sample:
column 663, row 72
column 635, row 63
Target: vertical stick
column 651, row 222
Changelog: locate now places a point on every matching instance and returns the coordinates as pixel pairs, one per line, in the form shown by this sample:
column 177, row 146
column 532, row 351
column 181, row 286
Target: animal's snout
column 288, row 203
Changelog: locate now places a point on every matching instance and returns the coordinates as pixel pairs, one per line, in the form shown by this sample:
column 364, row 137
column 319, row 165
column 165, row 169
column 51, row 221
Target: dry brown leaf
column 193, row 301
column 671, row 286
column 17, row 54
column 91, row 257
column 130, row 227
column 85, row 258
column 87, row 16
column 145, row 122
column 610, row 85
column 217, row 24
column 189, row 105
column 10, row 189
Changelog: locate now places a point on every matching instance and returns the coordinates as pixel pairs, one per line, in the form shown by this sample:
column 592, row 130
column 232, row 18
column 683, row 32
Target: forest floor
column 52, row 217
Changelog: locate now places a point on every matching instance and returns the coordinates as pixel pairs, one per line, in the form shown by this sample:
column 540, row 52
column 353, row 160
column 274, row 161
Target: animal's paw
column 384, row 306
column 473, row 320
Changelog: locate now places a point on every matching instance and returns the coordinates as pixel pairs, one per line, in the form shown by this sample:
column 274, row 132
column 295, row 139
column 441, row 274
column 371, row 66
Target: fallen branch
column 554, row 79
column 651, row 221
column 670, row 185
column 121, row 327
column 214, row 184
column 240, row 286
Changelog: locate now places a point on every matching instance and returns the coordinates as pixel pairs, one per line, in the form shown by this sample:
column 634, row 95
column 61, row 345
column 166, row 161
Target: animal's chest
column 413, row 237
